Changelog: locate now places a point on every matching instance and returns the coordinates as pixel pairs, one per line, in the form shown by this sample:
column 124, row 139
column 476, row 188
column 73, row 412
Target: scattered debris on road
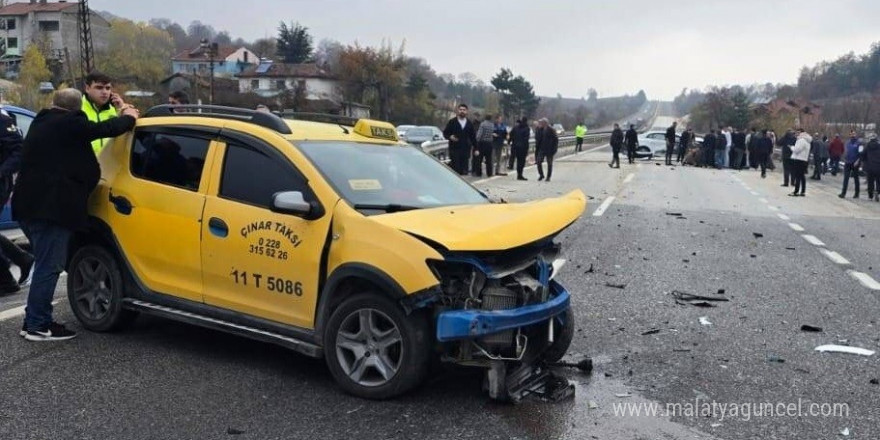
column 674, row 214
column 653, row 331
column 616, row 286
column 705, row 321
column 585, row 365
column 622, row 395
column 831, row 348
column 810, row 328
column 845, row 432
column 233, row 431
column 874, row 381
column 758, row 234
column 592, row 405
column 776, row 359
column 790, row 249
column 684, row 298
column 590, row 270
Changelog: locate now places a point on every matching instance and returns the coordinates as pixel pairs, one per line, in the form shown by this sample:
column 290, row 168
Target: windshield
column 392, row 176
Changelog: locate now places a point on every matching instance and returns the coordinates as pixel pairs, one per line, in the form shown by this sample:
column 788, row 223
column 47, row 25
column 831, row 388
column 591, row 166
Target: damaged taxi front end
column 498, row 304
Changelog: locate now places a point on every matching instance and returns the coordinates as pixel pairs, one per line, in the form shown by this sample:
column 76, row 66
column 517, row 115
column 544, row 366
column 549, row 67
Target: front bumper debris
column 473, row 323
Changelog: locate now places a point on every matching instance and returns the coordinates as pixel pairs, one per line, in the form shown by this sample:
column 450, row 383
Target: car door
column 156, row 208
column 256, row 261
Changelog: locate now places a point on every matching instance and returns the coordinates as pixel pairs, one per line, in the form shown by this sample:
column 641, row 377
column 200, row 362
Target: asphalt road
column 665, row 229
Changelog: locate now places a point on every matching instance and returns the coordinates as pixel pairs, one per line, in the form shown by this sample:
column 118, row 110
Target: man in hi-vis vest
column 99, row 103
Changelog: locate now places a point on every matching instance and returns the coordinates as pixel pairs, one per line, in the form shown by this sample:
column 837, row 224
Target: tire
column 405, row 362
column 564, row 333
column 95, row 289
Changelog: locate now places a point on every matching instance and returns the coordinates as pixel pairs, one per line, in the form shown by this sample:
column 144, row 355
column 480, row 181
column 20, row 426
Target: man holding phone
column 99, row 103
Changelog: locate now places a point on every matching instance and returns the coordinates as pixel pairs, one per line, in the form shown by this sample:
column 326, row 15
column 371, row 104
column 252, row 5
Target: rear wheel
column 374, row 350
column 95, row 290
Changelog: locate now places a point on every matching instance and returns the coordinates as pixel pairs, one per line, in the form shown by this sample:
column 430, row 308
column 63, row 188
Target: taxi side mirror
column 291, row 202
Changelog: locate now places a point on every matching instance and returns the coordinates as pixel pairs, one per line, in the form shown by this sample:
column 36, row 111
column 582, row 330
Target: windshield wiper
column 391, row 207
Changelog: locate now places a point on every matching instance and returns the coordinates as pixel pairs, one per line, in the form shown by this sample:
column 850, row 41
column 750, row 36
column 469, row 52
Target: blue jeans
column 49, row 243
column 720, row 156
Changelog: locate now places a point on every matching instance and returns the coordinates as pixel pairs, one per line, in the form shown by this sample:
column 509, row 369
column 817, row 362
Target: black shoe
column 521, row 178
column 842, row 196
column 856, row 196
column 784, row 185
column 793, row 194
column 548, row 179
column 55, row 332
column 610, row 166
column 9, row 288
column 25, row 277
column 540, row 178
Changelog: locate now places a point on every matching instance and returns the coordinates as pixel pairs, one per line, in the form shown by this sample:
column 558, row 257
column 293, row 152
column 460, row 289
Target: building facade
column 52, row 25
column 228, row 62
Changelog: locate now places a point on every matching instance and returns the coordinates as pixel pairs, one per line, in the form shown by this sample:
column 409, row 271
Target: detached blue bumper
column 469, row 324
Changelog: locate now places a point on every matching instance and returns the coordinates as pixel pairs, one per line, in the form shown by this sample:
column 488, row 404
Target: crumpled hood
column 489, row 227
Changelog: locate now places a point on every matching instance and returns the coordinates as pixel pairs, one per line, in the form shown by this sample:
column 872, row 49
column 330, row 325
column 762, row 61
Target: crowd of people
column 475, row 143
column 735, row 149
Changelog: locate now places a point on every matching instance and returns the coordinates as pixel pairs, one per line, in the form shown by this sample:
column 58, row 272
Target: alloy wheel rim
column 369, row 347
column 92, row 288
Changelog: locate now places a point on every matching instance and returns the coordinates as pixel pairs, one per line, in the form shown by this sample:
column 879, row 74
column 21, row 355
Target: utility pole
column 86, row 49
column 210, row 50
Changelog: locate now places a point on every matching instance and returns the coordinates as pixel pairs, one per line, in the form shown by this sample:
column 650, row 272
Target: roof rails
column 263, row 119
column 321, row 117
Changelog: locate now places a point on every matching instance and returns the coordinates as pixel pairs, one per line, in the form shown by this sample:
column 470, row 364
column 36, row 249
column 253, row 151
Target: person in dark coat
column 632, row 142
column 670, row 142
column 10, row 162
column 819, row 151
column 519, row 145
column 546, row 145
column 786, row 142
column 683, row 145
column 739, row 149
column 616, row 144
column 709, row 149
column 835, row 152
column 462, row 138
column 871, row 165
column 59, row 171
column 763, row 149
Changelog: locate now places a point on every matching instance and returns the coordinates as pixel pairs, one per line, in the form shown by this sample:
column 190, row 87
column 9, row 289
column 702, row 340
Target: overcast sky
column 566, row 46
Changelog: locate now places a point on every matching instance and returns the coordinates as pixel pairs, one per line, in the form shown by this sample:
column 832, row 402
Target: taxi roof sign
column 376, row 129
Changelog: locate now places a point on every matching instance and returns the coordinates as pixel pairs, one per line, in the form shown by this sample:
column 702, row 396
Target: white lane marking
column 629, row 178
column 835, row 257
column 784, row 217
column 813, row 240
column 763, row 200
column 773, row 208
column 865, row 279
column 755, row 193
column 796, row 227
column 17, row 311
column 603, row 207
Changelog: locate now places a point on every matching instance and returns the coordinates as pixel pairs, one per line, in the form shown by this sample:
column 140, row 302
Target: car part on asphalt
column 831, row 348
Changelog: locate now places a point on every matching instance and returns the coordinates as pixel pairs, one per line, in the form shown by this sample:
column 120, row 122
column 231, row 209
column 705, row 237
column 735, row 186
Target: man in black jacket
column 59, row 170
column 786, row 142
column 683, row 145
column 616, row 143
column 871, row 162
column 763, row 149
column 10, row 162
column 632, row 141
column 709, row 149
column 546, row 144
column 462, row 138
column 739, row 149
column 519, row 142
column 670, row 142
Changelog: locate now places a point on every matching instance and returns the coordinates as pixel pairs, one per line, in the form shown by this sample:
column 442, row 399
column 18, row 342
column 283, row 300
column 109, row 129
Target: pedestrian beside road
column 739, row 149
column 499, row 136
column 683, row 144
column 819, row 151
column 616, row 144
column 579, row 132
column 721, row 150
column 59, row 171
column 800, row 159
column 728, row 145
column 462, row 138
column 751, row 143
column 519, row 145
column 547, row 144
column 632, row 141
column 485, row 147
column 786, row 142
column 835, row 152
column 10, row 154
column 670, row 142
column 763, row 150
column 709, row 141
column 851, row 164
column 871, row 161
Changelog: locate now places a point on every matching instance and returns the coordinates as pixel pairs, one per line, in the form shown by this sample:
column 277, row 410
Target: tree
column 33, row 72
column 294, row 44
column 517, row 95
column 327, row 54
column 740, row 114
column 136, row 52
column 372, row 76
column 264, row 47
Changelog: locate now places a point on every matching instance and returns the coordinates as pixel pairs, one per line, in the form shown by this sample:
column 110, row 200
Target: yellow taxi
column 331, row 238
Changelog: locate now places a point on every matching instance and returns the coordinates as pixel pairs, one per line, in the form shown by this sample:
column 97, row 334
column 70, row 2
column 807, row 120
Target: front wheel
column 374, row 350
column 95, row 290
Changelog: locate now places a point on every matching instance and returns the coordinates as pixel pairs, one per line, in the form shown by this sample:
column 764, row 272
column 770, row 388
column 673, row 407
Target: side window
column 252, row 177
column 169, row 159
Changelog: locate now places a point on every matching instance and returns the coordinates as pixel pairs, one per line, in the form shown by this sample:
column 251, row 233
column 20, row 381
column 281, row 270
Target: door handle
column 218, row 227
column 122, row 204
